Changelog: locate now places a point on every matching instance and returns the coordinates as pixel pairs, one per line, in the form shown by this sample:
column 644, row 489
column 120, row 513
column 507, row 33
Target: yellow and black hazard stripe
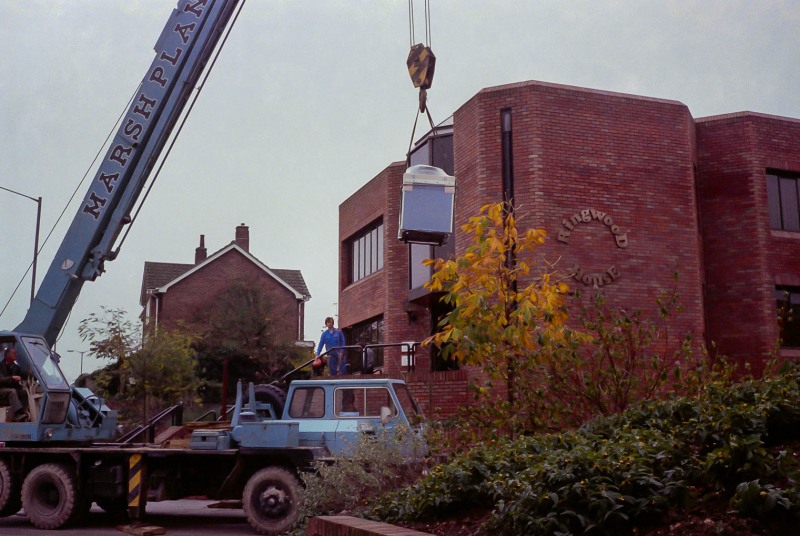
column 135, row 483
column 421, row 65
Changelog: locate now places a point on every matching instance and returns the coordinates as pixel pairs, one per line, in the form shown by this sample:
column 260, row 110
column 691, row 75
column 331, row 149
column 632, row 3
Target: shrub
column 625, row 469
column 374, row 466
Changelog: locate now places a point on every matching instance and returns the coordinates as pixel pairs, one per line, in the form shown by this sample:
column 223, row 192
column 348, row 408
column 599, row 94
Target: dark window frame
column 365, row 248
column 507, row 155
column 418, row 273
column 787, row 299
column 783, row 198
column 373, row 330
column 435, row 149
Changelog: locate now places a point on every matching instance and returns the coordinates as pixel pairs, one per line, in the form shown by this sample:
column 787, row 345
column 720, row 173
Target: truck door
column 357, row 411
column 307, row 407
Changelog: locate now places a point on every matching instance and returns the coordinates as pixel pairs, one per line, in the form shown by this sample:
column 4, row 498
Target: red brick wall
column 188, row 298
column 630, row 158
column 745, row 260
column 644, row 163
column 440, row 393
column 364, row 299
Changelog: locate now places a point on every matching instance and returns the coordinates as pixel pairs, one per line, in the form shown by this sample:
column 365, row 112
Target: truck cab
column 56, row 410
column 334, row 414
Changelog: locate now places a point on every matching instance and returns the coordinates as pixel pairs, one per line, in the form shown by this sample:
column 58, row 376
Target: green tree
column 163, row 371
column 500, row 316
column 241, row 327
column 143, row 376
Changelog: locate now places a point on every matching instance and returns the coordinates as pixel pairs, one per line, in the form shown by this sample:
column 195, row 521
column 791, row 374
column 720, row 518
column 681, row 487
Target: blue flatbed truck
column 256, row 458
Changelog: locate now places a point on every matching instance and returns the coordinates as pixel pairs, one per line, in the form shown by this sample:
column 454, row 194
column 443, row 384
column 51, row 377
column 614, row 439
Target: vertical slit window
column 361, row 257
column 507, row 155
column 380, row 249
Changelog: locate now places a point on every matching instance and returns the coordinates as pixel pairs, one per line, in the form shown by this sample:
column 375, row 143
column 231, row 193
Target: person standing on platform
column 332, row 339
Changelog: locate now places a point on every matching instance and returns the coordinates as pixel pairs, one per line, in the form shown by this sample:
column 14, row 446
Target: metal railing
column 410, row 349
column 175, row 413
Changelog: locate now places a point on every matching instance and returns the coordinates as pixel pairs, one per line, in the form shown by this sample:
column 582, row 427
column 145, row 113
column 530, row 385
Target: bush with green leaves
column 145, row 374
column 377, row 464
column 625, row 469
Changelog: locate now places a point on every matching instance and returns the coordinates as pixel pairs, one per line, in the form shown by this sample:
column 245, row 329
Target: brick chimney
column 243, row 236
column 201, row 253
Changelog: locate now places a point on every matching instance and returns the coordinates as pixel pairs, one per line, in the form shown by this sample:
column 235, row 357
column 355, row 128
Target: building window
column 506, row 148
column 371, row 332
column 419, row 274
column 788, row 299
column 783, row 196
column 436, row 148
column 366, row 251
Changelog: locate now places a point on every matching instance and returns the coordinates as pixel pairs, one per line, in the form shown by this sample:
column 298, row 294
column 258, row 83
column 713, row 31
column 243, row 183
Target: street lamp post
column 79, row 352
column 38, row 201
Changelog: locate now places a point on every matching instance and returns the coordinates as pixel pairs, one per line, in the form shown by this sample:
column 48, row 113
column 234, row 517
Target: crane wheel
column 271, row 501
column 50, row 496
column 10, row 500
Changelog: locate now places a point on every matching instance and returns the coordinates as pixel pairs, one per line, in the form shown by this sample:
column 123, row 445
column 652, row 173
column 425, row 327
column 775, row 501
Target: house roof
column 157, row 274
column 294, row 278
column 162, row 275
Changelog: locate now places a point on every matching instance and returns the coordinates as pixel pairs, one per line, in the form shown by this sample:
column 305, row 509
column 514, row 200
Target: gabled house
column 175, row 292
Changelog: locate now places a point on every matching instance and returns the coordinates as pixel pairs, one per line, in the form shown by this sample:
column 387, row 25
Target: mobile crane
column 64, row 413
column 61, row 459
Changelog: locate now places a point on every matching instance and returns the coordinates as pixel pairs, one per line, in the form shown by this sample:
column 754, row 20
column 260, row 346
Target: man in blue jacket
column 332, row 339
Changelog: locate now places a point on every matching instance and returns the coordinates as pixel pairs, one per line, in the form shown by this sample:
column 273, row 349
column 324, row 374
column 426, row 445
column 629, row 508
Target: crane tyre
column 270, row 394
column 10, row 500
column 271, row 501
column 50, row 497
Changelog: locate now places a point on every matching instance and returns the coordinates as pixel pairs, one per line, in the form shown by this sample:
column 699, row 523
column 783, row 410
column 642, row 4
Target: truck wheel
column 50, row 497
column 270, row 394
column 10, row 500
column 271, row 501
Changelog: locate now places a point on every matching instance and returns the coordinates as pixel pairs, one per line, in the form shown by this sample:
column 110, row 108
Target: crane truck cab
column 57, row 411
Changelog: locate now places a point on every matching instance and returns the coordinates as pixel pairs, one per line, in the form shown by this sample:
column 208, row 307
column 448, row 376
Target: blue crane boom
column 182, row 51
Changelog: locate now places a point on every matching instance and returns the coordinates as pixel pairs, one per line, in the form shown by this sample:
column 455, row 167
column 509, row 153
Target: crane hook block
column 421, row 64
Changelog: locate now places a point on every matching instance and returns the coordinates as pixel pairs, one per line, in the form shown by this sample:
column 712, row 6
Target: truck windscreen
column 43, row 360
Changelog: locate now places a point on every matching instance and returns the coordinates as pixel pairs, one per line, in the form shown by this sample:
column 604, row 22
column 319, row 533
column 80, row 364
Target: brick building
column 631, row 191
column 174, row 292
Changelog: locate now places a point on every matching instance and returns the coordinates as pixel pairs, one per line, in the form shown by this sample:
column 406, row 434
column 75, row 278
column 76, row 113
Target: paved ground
column 179, row 518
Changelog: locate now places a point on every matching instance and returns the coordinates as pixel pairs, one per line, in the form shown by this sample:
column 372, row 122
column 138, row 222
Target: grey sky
column 311, row 99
